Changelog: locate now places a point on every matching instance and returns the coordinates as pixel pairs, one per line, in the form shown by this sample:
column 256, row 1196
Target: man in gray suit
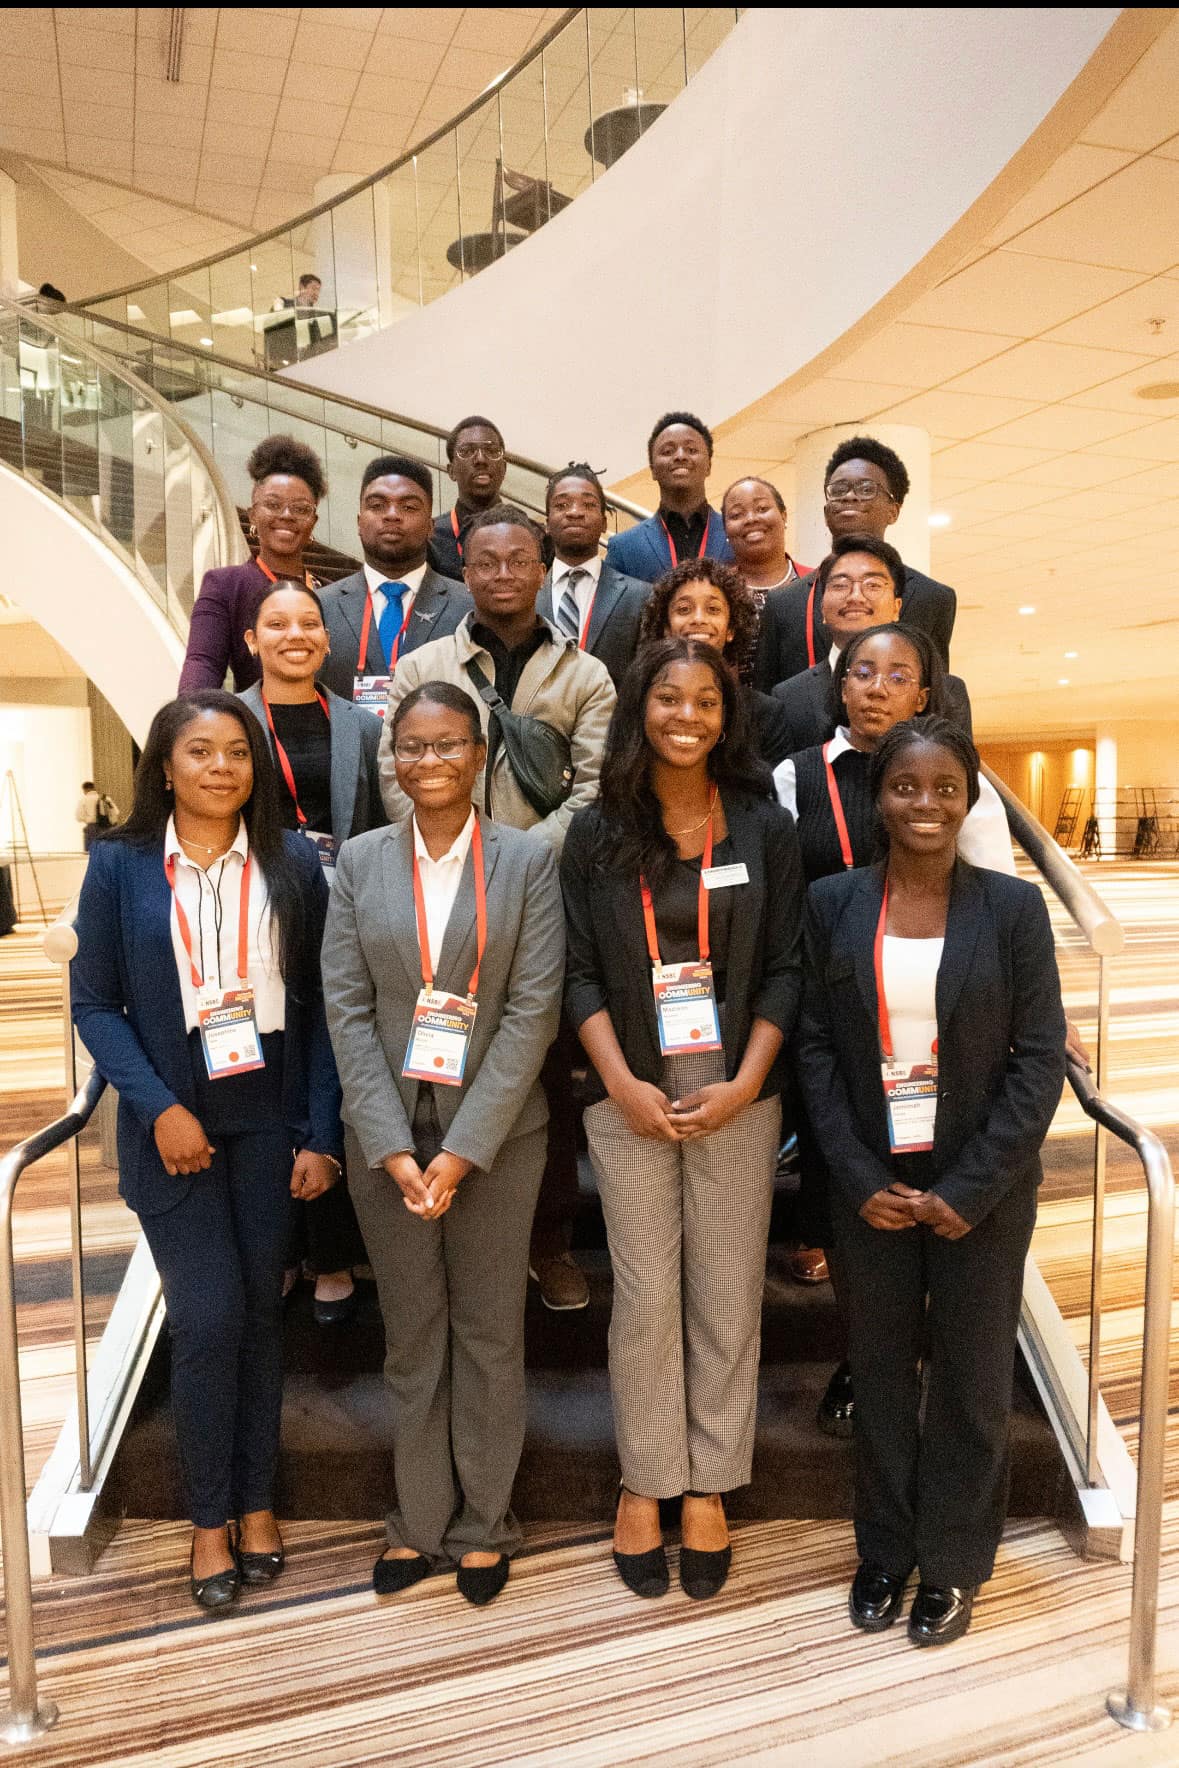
column 397, row 601
column 583, row 595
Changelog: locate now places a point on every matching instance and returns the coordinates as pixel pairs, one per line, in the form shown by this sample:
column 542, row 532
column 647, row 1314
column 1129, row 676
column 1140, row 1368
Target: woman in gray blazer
column 444, row 956
column 325, row 755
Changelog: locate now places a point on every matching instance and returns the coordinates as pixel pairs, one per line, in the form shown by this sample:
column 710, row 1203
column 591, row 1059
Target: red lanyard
column 810, row 628
column 365, row 625
column 675, row 559
column 845, row 846
column 284, row 760
column 585, row 625
column 701, row 900
column 243, row 924
column 308, row 579
column 454, row 526
column 878, row 961
column 480, row 915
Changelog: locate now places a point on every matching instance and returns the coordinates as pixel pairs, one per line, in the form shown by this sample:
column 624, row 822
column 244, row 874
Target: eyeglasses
column 445, row 749
column 273, row 506
column 864, row 673
column 517, row 565
column 854, row 491
column 468, row 450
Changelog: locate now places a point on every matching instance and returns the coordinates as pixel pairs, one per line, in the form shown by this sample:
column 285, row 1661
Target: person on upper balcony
column 685, row 526
column 864, row 487
column 289, row 485
column 477, row 462
column 396, row 601
column 306, row 295
column 860, row 583
column 582, row 594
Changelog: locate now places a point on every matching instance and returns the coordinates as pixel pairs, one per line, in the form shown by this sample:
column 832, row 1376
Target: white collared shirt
column 210, row 901
column 440, row 882
column 411, row 579
column 983, row 840
column 583, row 591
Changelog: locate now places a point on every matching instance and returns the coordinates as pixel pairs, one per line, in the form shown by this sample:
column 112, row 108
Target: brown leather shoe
column 808, row 1264
column 563, row 1287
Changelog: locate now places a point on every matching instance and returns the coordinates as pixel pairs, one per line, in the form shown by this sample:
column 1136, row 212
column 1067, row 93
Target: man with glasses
column 538, row 669
column 865, row 485
column 477, row 462
column 859, row 584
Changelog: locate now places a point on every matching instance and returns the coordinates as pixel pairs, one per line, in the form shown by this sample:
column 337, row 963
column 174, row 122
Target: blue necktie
column 389, row 625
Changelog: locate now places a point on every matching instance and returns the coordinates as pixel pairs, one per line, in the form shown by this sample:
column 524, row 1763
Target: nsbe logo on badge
column 440, row 1038
column 685, row 1006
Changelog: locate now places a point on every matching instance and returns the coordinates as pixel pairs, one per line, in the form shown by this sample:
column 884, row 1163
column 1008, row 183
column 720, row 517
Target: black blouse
column 677, row 924
column 306, row 735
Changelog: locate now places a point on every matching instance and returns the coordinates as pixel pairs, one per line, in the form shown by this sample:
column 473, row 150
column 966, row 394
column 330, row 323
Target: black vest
column 818, row 837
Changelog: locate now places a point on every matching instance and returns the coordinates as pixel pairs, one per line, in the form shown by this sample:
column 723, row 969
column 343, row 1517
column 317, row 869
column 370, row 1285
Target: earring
column 721, row 738
column 252, row 531
column 167, row 785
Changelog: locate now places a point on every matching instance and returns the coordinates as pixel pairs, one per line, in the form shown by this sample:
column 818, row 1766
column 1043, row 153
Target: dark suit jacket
column 437, row 609
column 613, row 634
column 126, row 1002
column 607, row 964
column 643, row 552
column 808, row 722
column 1000, row 1029
column 444, row 551
column 355, row 783
column 781, row 646
column 221, row 616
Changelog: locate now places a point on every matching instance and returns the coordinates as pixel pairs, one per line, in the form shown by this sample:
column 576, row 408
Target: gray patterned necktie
column 568, row 616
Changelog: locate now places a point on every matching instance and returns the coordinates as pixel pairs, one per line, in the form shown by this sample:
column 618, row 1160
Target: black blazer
column 438, row 607
column 805, row 701
column 781, row 644
column 1000, row 1029
column 607, row 964
column 613, row 634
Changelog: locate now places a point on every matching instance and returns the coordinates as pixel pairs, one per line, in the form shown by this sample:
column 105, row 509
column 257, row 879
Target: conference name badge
column 439, row 1038
column 910, row 1095
column 327, row 847
column 229, row 1032
column 685, row 1007
column 371, row 691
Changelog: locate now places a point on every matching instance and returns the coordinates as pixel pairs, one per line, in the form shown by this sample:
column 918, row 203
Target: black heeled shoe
column 392, row 1576
column 257, row 1568
column 940, row 1614
column 481, row 1584
column 219, row 1592
column 646, row 1574
column 335, row 1313
column 703, row 1573
column 837, row 1408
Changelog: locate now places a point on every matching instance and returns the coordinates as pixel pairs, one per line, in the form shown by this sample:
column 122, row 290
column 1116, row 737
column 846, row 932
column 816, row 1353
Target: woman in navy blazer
column 210, row 1164
column 931, row 1240
column 289, row 485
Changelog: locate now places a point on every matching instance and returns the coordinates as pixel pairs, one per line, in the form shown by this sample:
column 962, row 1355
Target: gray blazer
column 437, row 609
column 613, row 634
column 356, row 785
column 372, row 976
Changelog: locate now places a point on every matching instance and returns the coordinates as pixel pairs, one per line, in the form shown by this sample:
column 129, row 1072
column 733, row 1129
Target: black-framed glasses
column 445, row 749
column 854, row 491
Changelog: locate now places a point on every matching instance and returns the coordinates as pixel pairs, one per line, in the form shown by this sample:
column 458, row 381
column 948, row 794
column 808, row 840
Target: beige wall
column 56, row 244
column 1039, row 774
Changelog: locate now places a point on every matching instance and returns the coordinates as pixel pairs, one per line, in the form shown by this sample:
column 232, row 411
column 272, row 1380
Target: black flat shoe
column 875, row 1598
column 644, row 1573
column 481, row 1584
column 703, row 1574
column 218, row 1592
column 257, row 1568
column 335, row 1313
column 837, row 1407
column 392, row 1576
column 940, row 1613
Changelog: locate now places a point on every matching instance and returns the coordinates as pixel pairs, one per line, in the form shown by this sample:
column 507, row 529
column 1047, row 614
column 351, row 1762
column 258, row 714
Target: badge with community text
column 910, row 1094
column 371, row 691
column 439, row 1038
column 327, row 847
column 685, row 1006
column 229, row 1032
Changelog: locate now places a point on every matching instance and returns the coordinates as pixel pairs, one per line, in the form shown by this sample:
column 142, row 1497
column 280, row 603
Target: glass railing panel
column 357, row 246
column 40, row 392
column 148, row 308
column 236, row 427
column 190, row 310
column 80, row 418
column 484, row 237
column 274, row 280
column 527, row 198
column 188, row 519
column 124, row 472
column 148, row 521
column 345, row 459
column 661, row 56
column 441, row 222
column 231, row 290
column 706, row 28
column 569, row 101
column 397, row 211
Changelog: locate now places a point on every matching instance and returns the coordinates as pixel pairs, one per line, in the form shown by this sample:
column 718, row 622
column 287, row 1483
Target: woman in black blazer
column 683, row 877
column 938, row 980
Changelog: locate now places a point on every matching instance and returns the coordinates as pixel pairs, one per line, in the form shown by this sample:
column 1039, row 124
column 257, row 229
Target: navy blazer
column 438, row 606
column 781, row 640
column 607, row 964
column 355, row 784
column 221, row 616
column 617, row 612
column 125, row 996
column 643, row 551
column 806, row 706
column 1000, row 1031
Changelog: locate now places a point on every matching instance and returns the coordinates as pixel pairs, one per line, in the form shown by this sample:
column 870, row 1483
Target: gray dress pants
column 452, row 1296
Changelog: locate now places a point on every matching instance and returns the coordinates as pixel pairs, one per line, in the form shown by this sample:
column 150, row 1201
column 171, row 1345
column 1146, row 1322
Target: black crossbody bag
column 539, row 756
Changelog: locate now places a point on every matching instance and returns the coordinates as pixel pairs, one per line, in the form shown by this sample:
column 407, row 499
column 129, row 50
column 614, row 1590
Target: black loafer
column 875, row 1598
column 644, row 1573
column 481, row 1584
column 703, row 1574
column 837, row 1407
column 335, row 1313
column 392, row 1576
column 220, row 1591
column 940, row 1613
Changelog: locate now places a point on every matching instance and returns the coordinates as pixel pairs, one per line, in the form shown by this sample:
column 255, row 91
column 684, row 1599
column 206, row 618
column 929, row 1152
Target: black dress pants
column 552, row 1225
column 932, row 1492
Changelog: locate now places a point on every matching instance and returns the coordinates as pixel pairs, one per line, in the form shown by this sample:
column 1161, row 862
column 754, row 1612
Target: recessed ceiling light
column 1158, row 390
column 940, row 519
column 254, row 268
column 1062, row 682
column 1069, row 655
column 1028, row 610
column 207, row 342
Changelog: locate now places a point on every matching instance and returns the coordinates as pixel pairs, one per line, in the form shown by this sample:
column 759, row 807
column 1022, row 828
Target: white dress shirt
column 584, row 591
column 211, row 901
column 983, row 840
column 440, row 882
column 411, row 579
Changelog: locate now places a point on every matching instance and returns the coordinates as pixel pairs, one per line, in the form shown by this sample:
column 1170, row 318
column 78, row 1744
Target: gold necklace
column 706, row 818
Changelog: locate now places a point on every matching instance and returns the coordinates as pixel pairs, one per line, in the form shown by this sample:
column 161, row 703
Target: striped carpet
column 567, row 1668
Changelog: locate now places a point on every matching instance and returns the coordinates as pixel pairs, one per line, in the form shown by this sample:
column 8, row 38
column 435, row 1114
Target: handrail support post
column 1097, row 1265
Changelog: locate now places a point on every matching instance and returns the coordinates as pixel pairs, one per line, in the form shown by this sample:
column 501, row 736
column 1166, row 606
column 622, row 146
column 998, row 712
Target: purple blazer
column 221, row 615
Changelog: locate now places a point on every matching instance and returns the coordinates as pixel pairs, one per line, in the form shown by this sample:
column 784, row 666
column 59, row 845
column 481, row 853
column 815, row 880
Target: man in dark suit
column 582, row 594
column 864, row 488
column 476, row 460
column 859, row 584
column 397, row 601
column 686, row 526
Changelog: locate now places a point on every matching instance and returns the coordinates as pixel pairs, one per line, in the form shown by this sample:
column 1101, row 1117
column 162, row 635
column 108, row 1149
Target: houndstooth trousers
column 687, row 1225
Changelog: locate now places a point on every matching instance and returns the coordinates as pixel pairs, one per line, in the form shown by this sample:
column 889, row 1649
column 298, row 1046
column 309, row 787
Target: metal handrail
column 1137, row 1709
column 26, row 1717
